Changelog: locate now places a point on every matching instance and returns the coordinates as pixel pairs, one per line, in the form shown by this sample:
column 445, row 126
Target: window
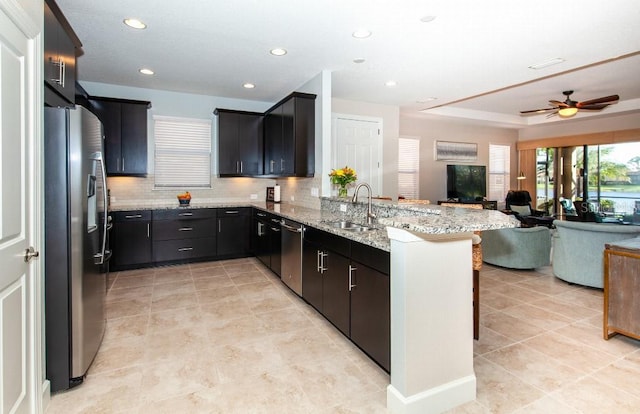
column 499, row 171
column 182, row 152
column 408, row 167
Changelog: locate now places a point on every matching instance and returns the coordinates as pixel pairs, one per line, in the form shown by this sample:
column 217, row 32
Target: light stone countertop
column 430, row 218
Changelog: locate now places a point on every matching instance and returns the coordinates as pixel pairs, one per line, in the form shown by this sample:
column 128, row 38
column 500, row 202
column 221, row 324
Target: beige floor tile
column 375, row 403
column 498, row 301
column 126, row 352
column 522, row 294
column 249, row 277
column 284, row 320
column 590, row 396
column 533, row 367
column 112, row 392
column 206, row 265
column 235, row 331
column 547, row 405
column 510, row 326
column 130, row 307
column 218, row 294
column 126, row 326
column 174, row 301
column 143, row 279
column 538, row 316
column 623, row 374
column 243, row 267
column 140, row 292
column 183, row 318
column 501, row 391
column 213, row 282
column 206, row 272
column 301, row 346
column 590, row 335
column 226, row 308
column 174, row 345
column 567, row 309
column 490, row 340
column 588, row 298
column 173, row 288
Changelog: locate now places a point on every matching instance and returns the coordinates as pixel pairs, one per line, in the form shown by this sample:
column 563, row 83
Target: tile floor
column 229, row 337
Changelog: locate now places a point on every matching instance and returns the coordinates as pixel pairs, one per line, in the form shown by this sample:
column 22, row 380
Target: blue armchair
column 517, row 248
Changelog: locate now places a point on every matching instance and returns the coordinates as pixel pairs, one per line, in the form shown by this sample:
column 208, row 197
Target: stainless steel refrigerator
column 76, row 243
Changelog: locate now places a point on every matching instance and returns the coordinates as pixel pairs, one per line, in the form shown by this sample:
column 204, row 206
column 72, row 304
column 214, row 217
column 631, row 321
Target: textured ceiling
column 473, row 57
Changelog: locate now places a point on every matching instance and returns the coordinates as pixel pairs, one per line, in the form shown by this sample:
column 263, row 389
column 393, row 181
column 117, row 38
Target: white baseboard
column 435, row 400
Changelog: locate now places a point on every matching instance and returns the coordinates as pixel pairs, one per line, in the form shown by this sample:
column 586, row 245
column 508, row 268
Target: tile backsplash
column 133, row 192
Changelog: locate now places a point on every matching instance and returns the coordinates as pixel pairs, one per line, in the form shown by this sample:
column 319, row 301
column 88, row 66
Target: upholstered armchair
column 517, row 248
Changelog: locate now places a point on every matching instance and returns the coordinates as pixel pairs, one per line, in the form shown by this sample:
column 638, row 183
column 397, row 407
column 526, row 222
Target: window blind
column 499, row 171
column 182, row 152
column 408, row 167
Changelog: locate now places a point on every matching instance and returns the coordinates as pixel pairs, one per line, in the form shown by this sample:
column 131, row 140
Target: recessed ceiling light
column 551, row 62
column 361, row 34
column 278, row 51
column 135, row 23
column 391, row 83
column 146, row 71
column 358, row 60
column 427, row 19
column 425, row 100
column 249, row 85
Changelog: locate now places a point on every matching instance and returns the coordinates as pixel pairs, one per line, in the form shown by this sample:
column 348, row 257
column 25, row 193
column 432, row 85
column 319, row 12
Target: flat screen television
column 466, row 182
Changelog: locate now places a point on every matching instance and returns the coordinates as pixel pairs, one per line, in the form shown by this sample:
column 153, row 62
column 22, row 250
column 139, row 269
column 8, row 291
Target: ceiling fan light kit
column 569, row 107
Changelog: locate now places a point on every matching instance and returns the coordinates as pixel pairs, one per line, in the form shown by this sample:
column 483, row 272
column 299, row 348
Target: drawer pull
column 133, row 216
column 261, row 215
column 276, row 220
column 185, row 229
column 231, row 212
column 185, row 214
column 185, row 249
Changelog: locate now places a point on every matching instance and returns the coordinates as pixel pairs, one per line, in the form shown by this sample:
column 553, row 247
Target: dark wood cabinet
column 60, row 44
column 267, row 239
column 125, row 130
column 233, row 232
column 240, row 143
column 289, row 137
column 130, row 239
column 181, row 235
column 348, row 282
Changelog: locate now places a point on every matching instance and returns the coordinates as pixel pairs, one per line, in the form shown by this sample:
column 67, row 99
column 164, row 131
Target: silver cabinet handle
column 219, row 226
column 123, row 169
column 276, row 221
column 271, row 164
column 281, row 164
column 64, row 71
column 291, row 228
column 185, row 214
column 148, row 228
column 260, row 229
column 240, row 167
column 321, row 256
column 185, row 249
column 185, row 229
column 352, row 269
column 261, row 215
column 231, row 212
column 133, row 216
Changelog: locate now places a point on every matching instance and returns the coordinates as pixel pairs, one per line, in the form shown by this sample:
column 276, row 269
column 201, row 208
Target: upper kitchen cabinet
column 240, row 143
column 125, row 130
column 60, row 46
column 289, row 137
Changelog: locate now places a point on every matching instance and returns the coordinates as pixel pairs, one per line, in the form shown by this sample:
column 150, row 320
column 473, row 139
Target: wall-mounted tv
column 466, row 182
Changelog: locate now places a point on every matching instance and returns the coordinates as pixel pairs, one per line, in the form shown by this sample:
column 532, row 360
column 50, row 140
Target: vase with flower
column 342, row 177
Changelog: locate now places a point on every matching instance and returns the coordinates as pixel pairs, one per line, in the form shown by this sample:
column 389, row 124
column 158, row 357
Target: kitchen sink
column 348, row 225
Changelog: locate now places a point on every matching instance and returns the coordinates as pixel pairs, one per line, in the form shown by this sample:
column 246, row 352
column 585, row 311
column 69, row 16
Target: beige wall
column 390, row 116
column 433, row 173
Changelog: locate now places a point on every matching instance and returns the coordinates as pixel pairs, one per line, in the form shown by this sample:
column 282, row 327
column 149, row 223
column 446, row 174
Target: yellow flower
column 343, row 176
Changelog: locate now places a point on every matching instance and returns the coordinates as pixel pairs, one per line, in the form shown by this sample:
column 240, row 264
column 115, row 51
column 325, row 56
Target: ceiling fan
column 569, row 108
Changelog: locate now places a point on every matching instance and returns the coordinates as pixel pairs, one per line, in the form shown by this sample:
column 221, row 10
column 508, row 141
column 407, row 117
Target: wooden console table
column 622, row 288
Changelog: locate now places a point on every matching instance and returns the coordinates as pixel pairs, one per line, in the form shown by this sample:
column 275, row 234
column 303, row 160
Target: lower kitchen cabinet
column 266, row 236
column 348, row 283
column 130, row 239
column 233, row 232
column 183, row 234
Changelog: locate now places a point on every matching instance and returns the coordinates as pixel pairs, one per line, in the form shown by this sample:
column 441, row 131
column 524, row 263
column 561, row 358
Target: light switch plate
column 314, row 192
column 343, row 208
column 254, row 196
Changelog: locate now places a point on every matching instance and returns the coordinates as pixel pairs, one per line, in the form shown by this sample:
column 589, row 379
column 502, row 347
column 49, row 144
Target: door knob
column 30, row 253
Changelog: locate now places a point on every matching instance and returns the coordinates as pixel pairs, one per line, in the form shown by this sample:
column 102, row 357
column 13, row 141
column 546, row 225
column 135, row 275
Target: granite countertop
column 418, row 218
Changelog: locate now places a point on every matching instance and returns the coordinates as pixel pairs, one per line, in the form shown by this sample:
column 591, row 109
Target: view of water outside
column 617, row 189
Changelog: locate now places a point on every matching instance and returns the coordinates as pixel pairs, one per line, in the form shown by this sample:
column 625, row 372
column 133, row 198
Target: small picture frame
column 270, row 196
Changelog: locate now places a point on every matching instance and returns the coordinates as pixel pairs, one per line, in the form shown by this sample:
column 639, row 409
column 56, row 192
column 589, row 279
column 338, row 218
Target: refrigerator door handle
column 104, row 255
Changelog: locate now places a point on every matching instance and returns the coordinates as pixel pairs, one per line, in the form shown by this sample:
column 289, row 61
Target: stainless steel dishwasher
column 291, row 271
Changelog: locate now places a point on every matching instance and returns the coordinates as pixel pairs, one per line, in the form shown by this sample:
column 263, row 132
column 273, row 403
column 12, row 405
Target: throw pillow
column 521, row 210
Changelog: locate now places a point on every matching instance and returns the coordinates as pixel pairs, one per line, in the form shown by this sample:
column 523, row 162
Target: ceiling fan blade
column 593, row 107
column 604, row 99
column 559, row 103
column 551, row 114
column 532, row 111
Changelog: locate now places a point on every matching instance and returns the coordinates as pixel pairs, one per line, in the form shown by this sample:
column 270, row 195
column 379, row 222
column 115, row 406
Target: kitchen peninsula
column 430, row 288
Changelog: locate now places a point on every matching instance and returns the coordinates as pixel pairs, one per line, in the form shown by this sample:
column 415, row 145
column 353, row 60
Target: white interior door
column 357, row 142
column 16, row 299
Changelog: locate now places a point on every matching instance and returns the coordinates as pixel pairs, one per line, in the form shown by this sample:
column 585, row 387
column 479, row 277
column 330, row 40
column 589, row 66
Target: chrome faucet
column 370, row 215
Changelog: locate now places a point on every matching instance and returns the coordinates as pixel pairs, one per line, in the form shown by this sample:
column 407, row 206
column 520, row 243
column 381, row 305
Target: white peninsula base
column 431, row 322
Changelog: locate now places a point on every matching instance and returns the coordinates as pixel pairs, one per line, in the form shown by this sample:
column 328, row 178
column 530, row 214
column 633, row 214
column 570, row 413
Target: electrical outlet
column 113, row 199
column 314, row 192
column 343, row 208
column 254, row 196
column 293, row 198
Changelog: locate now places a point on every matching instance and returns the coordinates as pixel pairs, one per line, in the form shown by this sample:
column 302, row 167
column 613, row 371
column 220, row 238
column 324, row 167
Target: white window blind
column 408, row 167
column 182, row 152
column 499, row 171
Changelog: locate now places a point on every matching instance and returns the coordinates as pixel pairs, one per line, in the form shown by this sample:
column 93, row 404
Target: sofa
column 578, row 249
column 517, row 248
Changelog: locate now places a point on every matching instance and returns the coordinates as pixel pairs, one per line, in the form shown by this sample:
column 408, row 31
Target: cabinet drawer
column 377, row 259
column 131, row 215
column 183, row 229
column 238, row 211
column 183, row 213
column 328, row 241
column 171, row 250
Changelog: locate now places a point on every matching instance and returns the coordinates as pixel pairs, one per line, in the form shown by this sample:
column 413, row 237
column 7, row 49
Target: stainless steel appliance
column 291, row 271
column 76, row 243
